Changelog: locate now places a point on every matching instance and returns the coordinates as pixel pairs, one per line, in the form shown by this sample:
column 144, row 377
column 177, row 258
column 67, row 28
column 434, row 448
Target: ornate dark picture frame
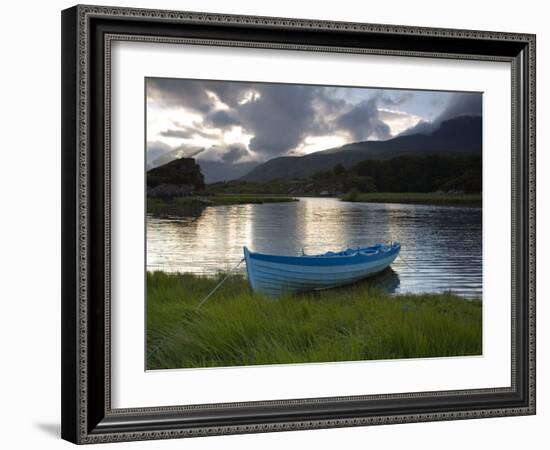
column 87, row 34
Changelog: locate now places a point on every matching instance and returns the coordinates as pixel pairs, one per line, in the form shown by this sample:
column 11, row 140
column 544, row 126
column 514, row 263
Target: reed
column 237, row 327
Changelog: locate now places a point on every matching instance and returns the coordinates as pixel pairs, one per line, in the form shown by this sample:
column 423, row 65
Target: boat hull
column 274, row 275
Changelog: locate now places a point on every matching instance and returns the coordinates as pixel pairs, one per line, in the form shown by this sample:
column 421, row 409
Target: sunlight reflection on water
column 441, row 245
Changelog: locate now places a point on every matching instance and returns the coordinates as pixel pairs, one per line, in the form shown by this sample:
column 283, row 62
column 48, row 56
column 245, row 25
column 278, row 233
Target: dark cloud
column 280, row 116
column 327, row 109
column 196, row 95
column 363, row 122
column 179, row 133
column 234, row 152
column 279, row 119
column 230, row 93
column 222, row 119
column 172, row 92
column 184, row 132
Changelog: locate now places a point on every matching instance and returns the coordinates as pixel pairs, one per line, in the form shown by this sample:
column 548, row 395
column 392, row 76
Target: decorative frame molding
column 87, row 34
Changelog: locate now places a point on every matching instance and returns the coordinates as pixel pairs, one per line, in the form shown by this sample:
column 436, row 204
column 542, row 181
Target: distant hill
column 215, row 171
column 454, row 137
column 404, row 174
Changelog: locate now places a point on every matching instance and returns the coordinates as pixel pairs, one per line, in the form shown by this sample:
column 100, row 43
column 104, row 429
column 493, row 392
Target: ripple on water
column 441, row 246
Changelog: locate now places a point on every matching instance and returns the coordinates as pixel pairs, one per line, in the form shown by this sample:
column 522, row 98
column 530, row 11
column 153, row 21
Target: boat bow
column 275, row 275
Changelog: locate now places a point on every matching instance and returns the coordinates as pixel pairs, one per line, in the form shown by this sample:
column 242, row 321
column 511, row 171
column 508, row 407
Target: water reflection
column 441, row 246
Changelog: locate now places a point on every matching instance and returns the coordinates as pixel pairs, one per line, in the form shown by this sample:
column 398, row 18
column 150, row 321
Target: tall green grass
column 236, row 327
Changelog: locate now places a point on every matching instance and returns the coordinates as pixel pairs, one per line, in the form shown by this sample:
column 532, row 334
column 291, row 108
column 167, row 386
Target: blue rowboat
column 276, row 275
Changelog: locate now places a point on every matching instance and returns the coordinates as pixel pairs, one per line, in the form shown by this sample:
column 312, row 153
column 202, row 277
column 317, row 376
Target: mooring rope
column 219, row 284
column 402, row 259
column 222, row 281
column 159, row 344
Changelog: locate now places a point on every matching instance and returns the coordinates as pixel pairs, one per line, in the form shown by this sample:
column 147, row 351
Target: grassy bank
column 236, row 327
column 416, row 198
column 182, row 205
column 243, row 199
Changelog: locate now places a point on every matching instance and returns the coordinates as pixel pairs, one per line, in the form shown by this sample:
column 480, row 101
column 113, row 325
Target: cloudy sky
column 236, row 122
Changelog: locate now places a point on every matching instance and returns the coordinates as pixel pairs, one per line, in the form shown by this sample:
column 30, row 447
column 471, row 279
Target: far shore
column 178, row 205
column 419, row 198
column 182, row 205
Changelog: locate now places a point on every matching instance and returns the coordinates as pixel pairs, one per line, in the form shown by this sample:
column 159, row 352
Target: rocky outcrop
column 181, row 177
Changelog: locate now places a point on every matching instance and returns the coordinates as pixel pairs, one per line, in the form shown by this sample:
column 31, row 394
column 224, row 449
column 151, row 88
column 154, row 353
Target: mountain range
column 457, row 136
column 215, row 171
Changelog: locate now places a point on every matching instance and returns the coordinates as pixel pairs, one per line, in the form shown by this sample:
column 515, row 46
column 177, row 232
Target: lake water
column 440, row 245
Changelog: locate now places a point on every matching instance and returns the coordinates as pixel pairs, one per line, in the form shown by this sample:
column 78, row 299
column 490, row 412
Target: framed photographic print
column 280, row 224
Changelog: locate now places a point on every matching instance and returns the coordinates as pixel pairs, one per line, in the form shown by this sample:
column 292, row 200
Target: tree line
column 409, row 174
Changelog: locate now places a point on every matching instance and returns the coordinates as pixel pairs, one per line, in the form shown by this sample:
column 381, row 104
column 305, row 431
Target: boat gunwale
column 322, row 260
